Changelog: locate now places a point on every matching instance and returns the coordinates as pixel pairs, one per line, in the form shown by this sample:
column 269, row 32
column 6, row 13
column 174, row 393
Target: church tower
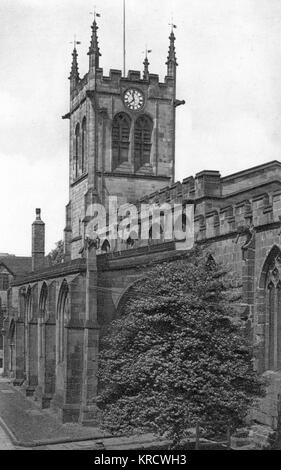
column 122, row 136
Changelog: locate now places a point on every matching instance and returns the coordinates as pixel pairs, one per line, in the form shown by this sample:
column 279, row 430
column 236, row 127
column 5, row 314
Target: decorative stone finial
column 171, row 59
column 94, row 50
column 74, row 73
column 146, row 64
column 38, row 214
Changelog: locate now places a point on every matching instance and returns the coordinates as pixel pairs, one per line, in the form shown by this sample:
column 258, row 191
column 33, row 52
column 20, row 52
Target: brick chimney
column 38, row 242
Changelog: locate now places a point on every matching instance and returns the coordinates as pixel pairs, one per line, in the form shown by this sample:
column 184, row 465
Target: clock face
column 133, row 99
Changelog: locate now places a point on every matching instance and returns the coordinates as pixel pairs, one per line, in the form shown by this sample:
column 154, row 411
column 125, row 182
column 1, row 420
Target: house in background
column 10, row 267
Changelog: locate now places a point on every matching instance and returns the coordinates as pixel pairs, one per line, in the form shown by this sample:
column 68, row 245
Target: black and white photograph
column 140, row 237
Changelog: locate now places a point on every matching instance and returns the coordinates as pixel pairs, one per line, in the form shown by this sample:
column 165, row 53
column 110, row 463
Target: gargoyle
column 178, row 103
column 248, row 230
column 90, row 243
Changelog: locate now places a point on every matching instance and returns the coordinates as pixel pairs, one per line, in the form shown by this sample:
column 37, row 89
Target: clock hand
column 132, row 97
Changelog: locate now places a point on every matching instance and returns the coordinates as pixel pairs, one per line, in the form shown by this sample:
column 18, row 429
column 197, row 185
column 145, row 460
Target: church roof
column 17, row 265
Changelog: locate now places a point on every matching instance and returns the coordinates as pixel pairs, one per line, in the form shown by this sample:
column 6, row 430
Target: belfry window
column 120, row 139
column 83, row 155
column 76, row 150
column 142, row 141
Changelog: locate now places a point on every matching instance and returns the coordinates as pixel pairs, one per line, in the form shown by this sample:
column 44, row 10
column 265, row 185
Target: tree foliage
column 178, row 355
column 56, row 256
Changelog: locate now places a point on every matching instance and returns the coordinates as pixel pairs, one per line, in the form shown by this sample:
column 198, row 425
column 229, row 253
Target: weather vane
column 75, row 42
column 147, row 51
column 172, row 24
column 96, row 15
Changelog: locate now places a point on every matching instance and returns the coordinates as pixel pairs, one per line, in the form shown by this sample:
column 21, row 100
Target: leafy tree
column 178, row 354
column 56, row 256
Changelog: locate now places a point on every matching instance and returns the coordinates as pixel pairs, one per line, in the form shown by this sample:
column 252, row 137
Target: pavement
column 24, row 425
column 5, row 441
column 27, row 425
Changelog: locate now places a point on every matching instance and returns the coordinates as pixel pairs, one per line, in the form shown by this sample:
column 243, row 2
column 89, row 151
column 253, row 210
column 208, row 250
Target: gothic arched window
column 28, row 304
column 120, row 139
column 156, row 233
column 105, row 246
column 43, row 299
column 76, row 150
column 84, row 146
column 142, row 141
column 273, row 315
column 42, row 311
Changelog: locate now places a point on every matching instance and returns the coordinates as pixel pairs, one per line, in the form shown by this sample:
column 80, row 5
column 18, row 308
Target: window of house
column 4, row 281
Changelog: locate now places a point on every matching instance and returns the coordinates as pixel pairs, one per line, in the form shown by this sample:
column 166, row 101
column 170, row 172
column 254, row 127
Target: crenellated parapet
column 152, row 85
column 217, row 215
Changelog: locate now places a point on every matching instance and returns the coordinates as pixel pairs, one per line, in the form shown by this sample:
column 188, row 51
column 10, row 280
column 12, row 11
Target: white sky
column 229, row 54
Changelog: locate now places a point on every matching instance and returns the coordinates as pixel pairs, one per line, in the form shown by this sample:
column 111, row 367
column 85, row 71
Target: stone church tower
column 122, row 136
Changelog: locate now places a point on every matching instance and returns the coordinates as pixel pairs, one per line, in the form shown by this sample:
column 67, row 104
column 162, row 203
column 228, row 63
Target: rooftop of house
column 17, row 265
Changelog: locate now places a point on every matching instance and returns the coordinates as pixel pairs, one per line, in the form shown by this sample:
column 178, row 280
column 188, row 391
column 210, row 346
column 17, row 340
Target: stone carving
column 92, row 243
column 273, row 276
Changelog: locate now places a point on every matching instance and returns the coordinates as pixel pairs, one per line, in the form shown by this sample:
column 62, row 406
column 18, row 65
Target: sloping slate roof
column 18, row 265
column 51, row 272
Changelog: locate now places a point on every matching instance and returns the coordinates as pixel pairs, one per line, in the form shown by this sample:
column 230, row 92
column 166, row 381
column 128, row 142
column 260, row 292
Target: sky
column 229, row 74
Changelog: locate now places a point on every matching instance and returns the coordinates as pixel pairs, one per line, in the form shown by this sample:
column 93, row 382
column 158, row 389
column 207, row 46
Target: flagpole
column 124, row 38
